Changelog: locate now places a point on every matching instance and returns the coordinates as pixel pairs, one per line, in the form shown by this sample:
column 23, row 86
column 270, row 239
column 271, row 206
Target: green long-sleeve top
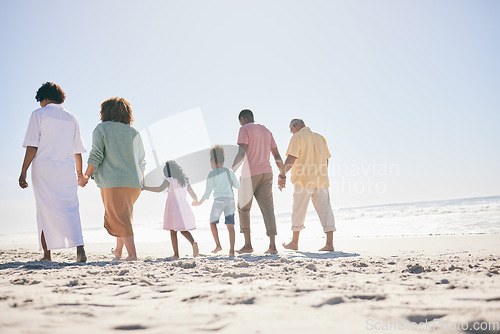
column 118, row 153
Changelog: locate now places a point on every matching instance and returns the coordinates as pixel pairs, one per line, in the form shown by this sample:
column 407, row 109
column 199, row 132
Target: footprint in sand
column 129, row 327
column 424, row 318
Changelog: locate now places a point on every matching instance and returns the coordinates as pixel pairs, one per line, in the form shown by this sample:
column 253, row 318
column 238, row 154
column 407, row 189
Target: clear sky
column 406, row 93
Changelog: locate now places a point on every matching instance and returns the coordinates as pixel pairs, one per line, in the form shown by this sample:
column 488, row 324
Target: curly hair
column 217, row 154
column 172, row 169
column 50, row 91
column 117, row 109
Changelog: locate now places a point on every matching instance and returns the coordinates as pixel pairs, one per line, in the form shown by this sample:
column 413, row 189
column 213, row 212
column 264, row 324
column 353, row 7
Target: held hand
column 281, row 182
column 195, row 203
column 83, row 180
column 22, row 181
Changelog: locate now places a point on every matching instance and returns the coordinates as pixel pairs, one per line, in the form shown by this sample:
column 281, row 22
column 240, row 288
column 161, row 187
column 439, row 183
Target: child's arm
column 200, row 202
column 159, row 189
column 208, row 189
column 191, row 192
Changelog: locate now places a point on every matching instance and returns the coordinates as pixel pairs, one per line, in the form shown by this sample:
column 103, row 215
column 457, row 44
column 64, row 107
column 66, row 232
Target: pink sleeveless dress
column 178, row 213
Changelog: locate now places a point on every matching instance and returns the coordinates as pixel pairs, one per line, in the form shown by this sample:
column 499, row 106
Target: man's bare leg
column 130, row 246
column 329, row 242
column 80, row 254
column 215, row 234
column 46, row 252
column 117, row 252
column 232, row 237
column 272, row 245
column 294, row 244
column 247, row 248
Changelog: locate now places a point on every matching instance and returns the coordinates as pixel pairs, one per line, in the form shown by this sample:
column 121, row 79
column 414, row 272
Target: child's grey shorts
column 223, row 204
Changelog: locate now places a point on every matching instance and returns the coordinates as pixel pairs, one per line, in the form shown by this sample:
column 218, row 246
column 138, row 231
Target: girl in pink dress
column 178, row 213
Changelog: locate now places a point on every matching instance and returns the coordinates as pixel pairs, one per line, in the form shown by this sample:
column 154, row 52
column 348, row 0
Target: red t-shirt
column 260, row 141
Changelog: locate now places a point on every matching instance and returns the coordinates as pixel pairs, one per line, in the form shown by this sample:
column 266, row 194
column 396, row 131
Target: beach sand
column 435, row 284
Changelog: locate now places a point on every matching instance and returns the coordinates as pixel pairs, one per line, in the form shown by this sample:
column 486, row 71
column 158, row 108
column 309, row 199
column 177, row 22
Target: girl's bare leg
column 190, row 238
column 230, row 229
column 130, row 246
column 175, row 243
column 46, row 252
column 215, row 234
column 117, row 252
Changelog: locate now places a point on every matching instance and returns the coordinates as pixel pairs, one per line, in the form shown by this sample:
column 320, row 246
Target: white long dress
column 56, row 133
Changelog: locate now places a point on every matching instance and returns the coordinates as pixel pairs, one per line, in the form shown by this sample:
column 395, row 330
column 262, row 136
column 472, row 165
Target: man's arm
column 290, row 160
column 239, row 157
column 277, row 159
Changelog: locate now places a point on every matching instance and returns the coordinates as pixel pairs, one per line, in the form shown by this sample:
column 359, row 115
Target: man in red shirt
column 256, row 143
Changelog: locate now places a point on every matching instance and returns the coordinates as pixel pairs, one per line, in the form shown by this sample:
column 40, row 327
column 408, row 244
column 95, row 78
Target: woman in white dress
column 54, row 147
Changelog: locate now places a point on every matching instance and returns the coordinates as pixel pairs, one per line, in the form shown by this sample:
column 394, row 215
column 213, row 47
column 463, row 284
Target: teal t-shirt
column 221, row 181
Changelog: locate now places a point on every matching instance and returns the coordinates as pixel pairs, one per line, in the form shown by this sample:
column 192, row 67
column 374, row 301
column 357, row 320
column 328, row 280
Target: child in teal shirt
column 221, row 180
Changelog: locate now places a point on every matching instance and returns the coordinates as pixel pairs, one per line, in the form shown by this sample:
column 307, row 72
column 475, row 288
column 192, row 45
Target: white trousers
column 321, row 201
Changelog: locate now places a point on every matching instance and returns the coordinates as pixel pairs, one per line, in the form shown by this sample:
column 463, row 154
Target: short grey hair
column 297, row 122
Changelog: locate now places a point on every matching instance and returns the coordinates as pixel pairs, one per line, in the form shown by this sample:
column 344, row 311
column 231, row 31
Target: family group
column 116, row 163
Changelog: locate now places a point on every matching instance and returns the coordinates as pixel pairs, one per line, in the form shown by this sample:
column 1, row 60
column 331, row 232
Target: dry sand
column 368, row 285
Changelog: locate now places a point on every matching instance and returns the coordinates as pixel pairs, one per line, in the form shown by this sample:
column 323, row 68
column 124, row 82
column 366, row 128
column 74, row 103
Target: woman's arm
column 82, row 181
column 159, row 189
column 79, row 164
column 28, row 158
column 79, row 168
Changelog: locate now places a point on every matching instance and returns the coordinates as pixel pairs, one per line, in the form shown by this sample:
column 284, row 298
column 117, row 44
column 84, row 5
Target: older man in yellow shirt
column 307, row 157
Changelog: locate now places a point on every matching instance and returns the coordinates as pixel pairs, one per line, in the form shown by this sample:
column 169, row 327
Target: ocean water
column 450, row 217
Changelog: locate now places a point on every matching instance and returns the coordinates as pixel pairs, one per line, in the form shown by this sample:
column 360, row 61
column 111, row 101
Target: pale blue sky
column 414, row 84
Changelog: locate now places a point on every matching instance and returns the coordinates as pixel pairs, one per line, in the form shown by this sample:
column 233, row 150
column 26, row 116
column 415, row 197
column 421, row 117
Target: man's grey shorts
column 226, row 205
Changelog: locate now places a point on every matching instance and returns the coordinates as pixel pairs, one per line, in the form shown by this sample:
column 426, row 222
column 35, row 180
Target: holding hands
column 83, row 180
column 281, row 181
column 197, row 203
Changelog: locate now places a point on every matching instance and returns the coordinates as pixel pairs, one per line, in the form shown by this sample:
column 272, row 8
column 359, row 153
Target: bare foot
column 131, row 258
column 196, row 250
column 217, row 249
column 46, row 259
column 327, row 249
column 271, row 251
column 175, row 256
column 245, row 250
column 81, row 258
column 291, row 246
column 117, row 254
column 231, row 254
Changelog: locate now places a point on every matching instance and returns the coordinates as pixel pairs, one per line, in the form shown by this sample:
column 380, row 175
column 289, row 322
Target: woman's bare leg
column 190, row 238
column 175, row 243
column 117, row 252
column 130, row 246
column 46, row 252
column 80, row 254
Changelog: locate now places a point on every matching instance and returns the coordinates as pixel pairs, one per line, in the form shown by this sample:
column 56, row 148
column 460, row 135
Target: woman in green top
column 116, row 163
